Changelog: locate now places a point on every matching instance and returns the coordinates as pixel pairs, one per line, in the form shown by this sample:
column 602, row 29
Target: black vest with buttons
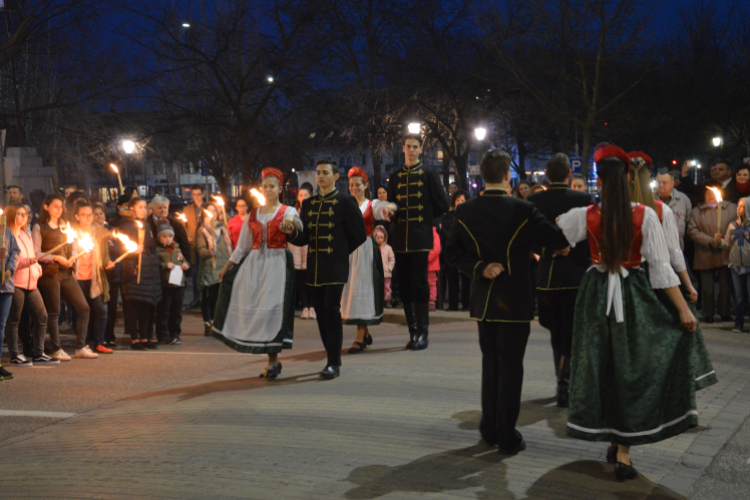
column 420, row 197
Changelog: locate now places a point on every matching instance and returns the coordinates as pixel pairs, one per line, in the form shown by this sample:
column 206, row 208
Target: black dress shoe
column 412, row 341
column 330, row 372
column 623, row 472
column 521, row 446
column 271, row 372
column 368, row 339
column 149, row 345
column 357, row 347
column 421, row 343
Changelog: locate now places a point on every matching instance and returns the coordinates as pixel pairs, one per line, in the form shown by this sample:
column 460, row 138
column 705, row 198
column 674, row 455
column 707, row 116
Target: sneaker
column 20, row 361
column 305, row 313
column 207, row 328
column 65, row 326
column 169, row 341
column 60, row 355
column 45, row 360
column 150, row 345
column 138, row 346
column 5, row 374
column 85, row 353
column 312, row 314
column 110, row 345
column 177, row 341
column 103, row 350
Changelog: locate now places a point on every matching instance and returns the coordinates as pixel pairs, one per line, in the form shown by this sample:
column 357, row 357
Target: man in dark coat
column 491, row 242
column 420, row 197
column 722, row 177
column 559, row 274
column 332, row 227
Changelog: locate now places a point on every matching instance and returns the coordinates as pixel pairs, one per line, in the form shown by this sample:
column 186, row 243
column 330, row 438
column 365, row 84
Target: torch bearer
column 71, row 237
column 210, row 217
column 141, row 234
column 130, row 246
column 718, row 200
column 117, row 171
column 85, row 243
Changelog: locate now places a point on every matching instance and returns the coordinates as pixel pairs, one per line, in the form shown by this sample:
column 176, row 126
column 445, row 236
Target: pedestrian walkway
column 395, row 425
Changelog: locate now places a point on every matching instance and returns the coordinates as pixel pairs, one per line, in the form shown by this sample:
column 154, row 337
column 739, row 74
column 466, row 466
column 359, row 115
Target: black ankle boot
column 423, row 323
column 563, row 382
column 411, row 323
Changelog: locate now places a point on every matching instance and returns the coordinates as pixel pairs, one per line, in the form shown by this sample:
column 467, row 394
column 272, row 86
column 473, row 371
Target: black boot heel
column 623, row 472
column 357, row 347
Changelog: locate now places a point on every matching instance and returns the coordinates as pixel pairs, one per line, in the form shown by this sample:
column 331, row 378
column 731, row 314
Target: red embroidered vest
column 369, row 219
column 275, row 238
column 659, row 208
column 594, row 228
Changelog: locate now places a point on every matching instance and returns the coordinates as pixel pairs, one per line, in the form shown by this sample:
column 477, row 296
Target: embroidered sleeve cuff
column 479, row 268
column 662, row 276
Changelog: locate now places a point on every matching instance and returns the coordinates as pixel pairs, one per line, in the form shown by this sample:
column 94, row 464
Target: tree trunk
column 446, row 170
column 459, row 164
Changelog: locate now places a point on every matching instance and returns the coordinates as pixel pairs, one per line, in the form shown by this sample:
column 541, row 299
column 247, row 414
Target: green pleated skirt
column 633, row 382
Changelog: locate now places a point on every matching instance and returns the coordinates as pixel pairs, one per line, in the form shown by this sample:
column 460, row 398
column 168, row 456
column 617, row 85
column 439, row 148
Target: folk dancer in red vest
column 255, row 313
column 640, row 184
column 632, row 375
column 364, row 293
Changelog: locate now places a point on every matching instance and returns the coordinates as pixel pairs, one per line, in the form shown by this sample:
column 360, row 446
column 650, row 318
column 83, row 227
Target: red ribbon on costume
column 607, row 151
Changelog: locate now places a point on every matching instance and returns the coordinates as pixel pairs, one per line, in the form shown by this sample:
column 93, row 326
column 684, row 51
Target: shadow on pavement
column 241, row 384
column 478, row 466
column 532, row 412
column 596, row 480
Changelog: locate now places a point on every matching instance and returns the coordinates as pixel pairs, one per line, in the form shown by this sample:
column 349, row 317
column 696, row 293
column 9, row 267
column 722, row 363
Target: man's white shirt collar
column 724, row 184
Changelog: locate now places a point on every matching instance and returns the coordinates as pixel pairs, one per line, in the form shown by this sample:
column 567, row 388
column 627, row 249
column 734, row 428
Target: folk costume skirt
column 255, row 312
column 632, row 382
column 364, row 292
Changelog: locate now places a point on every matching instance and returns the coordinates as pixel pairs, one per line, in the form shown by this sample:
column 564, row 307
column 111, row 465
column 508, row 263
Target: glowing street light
column 269, row 79
column 128, row 146
column 414, row 127
column 717, row 141
column 480, row 133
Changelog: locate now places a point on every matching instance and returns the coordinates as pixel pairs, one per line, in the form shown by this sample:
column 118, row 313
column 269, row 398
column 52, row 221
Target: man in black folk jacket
column 559, row 274
column 491, row 242
column 333, row 228
column 420, row 197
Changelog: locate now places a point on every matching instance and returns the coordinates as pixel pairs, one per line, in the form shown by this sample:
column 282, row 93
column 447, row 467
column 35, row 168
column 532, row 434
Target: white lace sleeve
column 672, row 237
column 244, row 243
column 654, row 250
column 573, row 225
column 378, row 209
column 292, row 212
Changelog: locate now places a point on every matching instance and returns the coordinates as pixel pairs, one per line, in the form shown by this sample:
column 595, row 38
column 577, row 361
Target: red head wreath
column 643, row 156
column 358, row 172
column 607, row 151
column 273, row 172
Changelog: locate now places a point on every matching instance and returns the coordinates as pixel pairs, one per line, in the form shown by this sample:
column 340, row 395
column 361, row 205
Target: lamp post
column 480, row 133
column 717, row 141
column 129, row 147
column 414, row 127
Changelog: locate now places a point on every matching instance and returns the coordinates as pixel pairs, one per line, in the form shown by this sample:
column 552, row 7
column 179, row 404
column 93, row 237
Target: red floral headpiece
column 358, row 172
column 273, row 172
column 641, row 155
column 608, row 151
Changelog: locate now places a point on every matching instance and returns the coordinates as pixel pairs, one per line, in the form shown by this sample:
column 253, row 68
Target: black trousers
column 327, row 303
column 139, row 318
column 556, row 312
column 503, row 346
column 114, row 292
column 303, row 290
column 457, row 279
column 169, row 312
column 209, row 299
column 412, row 277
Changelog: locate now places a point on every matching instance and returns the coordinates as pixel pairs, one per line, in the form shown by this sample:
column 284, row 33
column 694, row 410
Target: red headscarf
column 358, row 172
column 608, row 151
column 641, row 155
column 273, row 172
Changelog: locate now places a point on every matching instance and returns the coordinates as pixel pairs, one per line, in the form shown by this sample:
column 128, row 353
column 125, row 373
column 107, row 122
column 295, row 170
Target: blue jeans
column 6, row 299
column 741, row 284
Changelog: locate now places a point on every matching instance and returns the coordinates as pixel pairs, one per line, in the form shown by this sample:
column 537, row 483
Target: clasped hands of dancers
column 619, row 307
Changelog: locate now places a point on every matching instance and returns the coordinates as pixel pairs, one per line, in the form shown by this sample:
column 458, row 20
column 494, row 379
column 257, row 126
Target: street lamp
column 414, row 127
column 185, row 25
column 269, row 79
column 480, row 133
column 128, row 146
column 717, row 141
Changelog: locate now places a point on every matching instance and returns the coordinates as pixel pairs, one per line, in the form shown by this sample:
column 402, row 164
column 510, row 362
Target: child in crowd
column 214, row 248
column 169, row 310
column 389, row 260
column 433, row 268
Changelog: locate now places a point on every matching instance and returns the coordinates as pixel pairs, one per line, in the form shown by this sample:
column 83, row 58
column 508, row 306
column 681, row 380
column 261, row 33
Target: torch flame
column 140, row 226
column 1, row 211
column 219, row 200
column 261, row 199
column 85, row 243
column 717, row 193
column 182, row 218
column 70, row 232
column 130, row 245
column 114, row 167
column 208, row 214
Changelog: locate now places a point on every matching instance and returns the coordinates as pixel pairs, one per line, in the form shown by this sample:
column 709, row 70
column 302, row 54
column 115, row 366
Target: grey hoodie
column 738, row 236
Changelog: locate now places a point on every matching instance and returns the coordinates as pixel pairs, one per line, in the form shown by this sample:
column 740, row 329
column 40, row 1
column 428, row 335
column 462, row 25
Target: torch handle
column 49, row 252
column 121, row 257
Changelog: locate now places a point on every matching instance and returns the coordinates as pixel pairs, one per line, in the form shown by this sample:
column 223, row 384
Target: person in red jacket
column 433, row 268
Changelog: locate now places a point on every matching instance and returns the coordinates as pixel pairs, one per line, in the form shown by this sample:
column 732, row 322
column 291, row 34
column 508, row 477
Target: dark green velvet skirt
column 633, row 382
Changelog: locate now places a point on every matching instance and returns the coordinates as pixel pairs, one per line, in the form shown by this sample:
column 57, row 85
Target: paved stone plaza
column 195, row 422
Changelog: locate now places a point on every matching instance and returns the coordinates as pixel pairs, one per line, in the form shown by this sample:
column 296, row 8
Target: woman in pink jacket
column 26, row 293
